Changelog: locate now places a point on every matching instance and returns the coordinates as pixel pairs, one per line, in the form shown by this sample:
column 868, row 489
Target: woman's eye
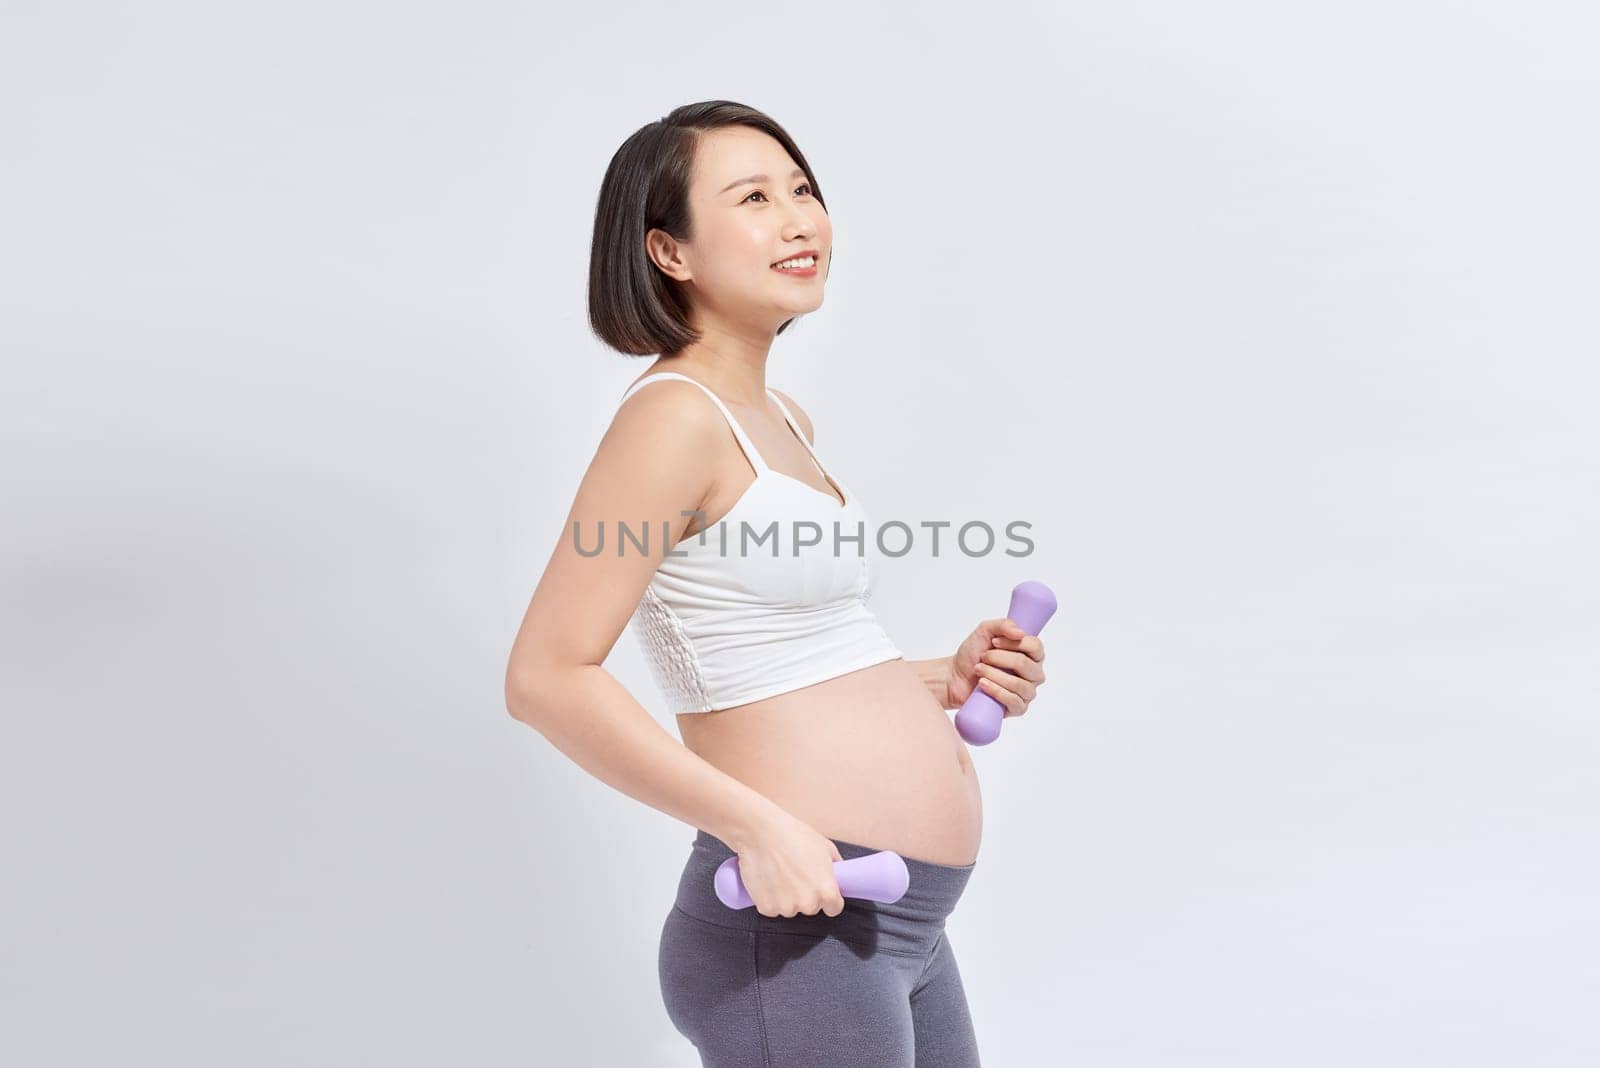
column 758, row 193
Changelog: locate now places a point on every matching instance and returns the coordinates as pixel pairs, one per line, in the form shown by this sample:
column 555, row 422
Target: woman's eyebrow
column 799, row 172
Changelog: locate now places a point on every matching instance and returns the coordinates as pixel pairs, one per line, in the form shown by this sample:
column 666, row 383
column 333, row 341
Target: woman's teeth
column 799, row 263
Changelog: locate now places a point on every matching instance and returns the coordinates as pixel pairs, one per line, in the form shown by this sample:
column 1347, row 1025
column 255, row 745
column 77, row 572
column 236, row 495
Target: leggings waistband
column 910, row 926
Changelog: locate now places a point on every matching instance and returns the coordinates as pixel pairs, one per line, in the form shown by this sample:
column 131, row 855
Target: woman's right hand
column 787, row 869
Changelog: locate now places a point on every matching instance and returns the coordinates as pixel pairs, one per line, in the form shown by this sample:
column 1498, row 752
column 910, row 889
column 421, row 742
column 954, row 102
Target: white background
column 1275, row 320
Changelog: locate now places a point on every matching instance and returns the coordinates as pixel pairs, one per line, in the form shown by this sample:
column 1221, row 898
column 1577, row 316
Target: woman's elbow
column 533, row 688
column 522, row 694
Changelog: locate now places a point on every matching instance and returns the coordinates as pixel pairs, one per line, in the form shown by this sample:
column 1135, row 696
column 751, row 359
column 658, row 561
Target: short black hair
column 633, row 307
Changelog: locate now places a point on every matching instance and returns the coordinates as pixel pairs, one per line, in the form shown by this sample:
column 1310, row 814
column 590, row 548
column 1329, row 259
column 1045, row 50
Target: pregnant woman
column 806, row 737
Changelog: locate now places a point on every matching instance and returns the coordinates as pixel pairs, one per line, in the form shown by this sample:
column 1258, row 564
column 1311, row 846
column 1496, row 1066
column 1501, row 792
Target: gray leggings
column 875, row 986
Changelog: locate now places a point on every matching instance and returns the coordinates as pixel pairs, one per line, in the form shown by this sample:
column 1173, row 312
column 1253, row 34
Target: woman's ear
column 665, row 253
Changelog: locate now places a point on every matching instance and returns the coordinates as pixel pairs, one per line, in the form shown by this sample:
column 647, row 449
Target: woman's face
column 742, row 228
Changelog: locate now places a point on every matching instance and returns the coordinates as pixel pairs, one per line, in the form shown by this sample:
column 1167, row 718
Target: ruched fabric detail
column 670, row 654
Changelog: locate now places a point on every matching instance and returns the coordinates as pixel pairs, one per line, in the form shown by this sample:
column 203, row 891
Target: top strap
column 738, row 431
column 800, row 434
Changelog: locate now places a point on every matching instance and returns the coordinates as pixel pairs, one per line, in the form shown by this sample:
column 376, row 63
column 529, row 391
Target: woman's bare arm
column 649, row 469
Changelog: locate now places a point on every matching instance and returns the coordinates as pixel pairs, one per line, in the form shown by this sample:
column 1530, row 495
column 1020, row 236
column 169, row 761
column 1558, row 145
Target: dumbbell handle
column 878, row 877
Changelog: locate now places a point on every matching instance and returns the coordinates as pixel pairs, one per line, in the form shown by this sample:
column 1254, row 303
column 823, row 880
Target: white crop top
column 733, row 615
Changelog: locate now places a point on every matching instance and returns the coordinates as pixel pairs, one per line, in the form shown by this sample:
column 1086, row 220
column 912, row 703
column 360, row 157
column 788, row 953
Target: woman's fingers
column 1016, row 663
column 1023, row 689
column 1031, row 645
column 1013, row 703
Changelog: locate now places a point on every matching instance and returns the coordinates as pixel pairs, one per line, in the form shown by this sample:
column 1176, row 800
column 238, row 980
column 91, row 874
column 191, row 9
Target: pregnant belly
column 867, row 757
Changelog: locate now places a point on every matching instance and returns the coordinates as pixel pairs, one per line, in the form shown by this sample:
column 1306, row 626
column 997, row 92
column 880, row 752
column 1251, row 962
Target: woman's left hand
column 1002, row 661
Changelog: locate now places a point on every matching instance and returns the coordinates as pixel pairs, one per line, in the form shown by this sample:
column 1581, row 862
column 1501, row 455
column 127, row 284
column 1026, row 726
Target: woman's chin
column 803, row 307
column 782, row 313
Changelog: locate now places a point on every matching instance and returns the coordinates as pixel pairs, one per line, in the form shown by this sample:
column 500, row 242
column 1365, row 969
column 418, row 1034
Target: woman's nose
column 800, row 225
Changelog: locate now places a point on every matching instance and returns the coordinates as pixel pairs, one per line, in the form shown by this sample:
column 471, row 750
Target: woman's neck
column 734, row 367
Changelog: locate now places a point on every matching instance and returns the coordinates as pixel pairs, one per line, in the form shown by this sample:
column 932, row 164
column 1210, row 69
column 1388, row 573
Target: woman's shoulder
column 670, row 404
column 799, row 414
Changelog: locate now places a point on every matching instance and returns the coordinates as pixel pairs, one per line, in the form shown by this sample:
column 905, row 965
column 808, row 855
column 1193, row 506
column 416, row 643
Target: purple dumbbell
column 875, row 877
column 978, row 721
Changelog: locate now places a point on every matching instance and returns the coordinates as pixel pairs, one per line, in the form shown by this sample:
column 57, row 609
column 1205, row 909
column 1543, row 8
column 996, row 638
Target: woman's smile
column 803, row 266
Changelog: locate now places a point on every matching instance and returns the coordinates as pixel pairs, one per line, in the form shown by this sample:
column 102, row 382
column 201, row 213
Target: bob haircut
column 633, row 307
